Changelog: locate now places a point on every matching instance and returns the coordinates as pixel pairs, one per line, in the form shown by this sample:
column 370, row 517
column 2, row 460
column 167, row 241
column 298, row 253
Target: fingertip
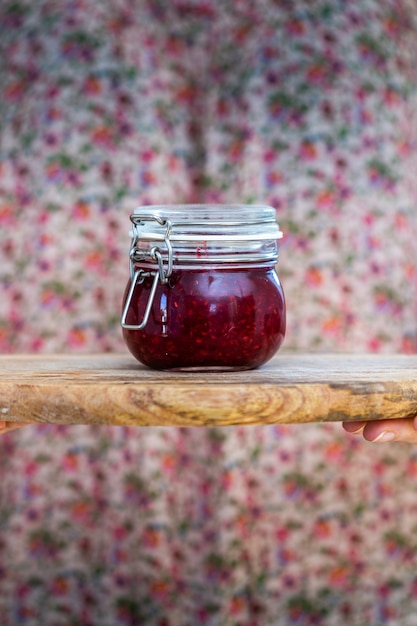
column 354, row 428
column 6, row 427
column 384, row 437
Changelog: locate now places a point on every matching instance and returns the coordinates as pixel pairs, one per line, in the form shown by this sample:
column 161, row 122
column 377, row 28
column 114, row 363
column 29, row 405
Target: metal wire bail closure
column 138, row 276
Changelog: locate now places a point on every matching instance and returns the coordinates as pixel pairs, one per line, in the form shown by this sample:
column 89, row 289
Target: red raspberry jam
column 203, row 291
column 209, row 319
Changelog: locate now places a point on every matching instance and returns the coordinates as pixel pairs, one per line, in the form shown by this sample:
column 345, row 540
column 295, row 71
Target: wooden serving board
column 292, row 388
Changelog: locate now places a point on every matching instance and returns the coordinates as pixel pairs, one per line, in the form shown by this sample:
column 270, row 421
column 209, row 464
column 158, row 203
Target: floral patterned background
column 308, row 106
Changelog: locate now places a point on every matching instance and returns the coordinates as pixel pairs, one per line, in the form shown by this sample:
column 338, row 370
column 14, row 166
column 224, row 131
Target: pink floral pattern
column 310, row 107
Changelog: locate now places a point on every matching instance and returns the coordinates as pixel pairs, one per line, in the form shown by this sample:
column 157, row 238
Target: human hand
column 6, row 427
column 381, row 431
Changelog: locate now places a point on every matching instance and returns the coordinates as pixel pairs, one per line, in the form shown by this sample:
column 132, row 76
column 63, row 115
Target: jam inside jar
column 203, row 292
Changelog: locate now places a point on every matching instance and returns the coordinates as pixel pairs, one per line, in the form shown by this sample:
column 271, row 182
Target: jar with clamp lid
column 203, row 292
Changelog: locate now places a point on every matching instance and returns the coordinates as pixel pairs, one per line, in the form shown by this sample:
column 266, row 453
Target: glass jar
column 203, row 292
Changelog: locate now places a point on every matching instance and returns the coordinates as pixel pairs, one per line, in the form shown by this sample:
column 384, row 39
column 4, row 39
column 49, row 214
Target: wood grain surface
column 292, row 388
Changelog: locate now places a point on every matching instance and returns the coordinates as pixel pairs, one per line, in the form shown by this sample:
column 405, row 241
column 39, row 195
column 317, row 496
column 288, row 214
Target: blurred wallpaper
column 307, row 105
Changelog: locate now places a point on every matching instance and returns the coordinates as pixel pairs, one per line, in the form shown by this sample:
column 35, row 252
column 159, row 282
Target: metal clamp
column 138, row 276
column 136, row 256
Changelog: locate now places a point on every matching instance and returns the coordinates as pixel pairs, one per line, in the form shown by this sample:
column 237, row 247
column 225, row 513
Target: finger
column 354, row 428
column 6, row 427
column 382, row 431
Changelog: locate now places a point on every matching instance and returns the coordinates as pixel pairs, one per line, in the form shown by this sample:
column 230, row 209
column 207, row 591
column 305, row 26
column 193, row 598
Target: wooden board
column 292, row 388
